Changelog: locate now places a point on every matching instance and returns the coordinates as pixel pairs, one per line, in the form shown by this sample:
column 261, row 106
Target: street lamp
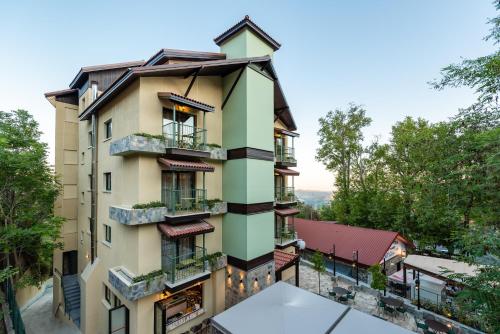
column 355, row 263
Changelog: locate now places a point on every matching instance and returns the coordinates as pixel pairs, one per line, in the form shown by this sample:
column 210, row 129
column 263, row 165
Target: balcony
column 183, row 268
column 185, row 140
column 285, row 195
column 185, row 203
column 285, row 156
column 285, row 236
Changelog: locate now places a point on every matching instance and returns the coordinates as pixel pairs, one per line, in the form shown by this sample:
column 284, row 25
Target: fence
column 15, row 314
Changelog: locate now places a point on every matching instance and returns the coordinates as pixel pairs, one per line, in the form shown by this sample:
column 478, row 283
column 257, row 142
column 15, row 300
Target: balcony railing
column 179, row 135
column 178, row 268
column 184, row 201
column 285, row 235
column 284, row 154
column 284, row 194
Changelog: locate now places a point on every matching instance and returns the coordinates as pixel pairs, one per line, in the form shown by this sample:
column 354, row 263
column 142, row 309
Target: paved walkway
column 38, row 317
column 363, row 302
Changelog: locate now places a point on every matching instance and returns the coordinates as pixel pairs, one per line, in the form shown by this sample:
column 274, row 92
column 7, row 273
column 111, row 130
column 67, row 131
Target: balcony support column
column 174, row 125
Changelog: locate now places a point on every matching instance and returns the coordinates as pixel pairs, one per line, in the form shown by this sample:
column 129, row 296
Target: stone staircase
column 71, row 291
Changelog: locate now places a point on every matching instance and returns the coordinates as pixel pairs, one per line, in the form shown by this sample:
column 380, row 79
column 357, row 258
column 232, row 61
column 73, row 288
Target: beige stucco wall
column 137, row 179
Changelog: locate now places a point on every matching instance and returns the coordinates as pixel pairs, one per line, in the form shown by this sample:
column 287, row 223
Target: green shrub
column 154, row 204
column 147, row 135
column 212, row 202
column 212, row 145
column 147, row 277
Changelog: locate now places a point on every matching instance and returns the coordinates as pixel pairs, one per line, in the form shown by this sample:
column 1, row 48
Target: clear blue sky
column 377, row 53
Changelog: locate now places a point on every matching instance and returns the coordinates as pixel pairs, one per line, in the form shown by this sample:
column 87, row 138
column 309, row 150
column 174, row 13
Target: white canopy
column 436, row 265
column 283, row 308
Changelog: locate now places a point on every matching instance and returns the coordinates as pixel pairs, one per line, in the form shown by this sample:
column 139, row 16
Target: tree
column 319, row 265
column 379, row 280
column 340, row 139
column 28, row 189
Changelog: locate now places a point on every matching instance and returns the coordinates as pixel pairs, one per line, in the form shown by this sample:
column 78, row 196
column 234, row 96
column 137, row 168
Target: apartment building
column 176, row 186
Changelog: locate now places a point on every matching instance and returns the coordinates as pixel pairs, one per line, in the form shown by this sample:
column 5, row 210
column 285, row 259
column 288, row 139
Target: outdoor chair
column 389, row 310
column 381, row 303
column 401, row 310
column 331, row 293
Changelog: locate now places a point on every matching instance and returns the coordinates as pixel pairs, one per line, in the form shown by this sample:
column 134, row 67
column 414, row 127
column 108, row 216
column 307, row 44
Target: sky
column 380, row 54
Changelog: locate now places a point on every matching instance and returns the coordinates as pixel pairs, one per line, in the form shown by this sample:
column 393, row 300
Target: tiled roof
column 283, row 258
column 185, row 101
column 247, row 23
column 185, row 230
column 182, row 165
column 371, row 244
column 286, row 171
column 286, row 212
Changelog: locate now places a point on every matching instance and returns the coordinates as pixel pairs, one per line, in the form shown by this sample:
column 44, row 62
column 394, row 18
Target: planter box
column 129, row 216
column 134, row 144
column 121, row 280
column 220, row 263
column 217, row 153
column 218, row 208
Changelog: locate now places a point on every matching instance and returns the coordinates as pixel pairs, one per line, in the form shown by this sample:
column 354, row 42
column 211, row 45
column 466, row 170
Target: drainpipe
column 93, row 192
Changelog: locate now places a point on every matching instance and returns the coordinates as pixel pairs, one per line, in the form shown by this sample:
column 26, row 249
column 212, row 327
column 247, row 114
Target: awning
column 440, row 268
column 184, row 230
column 179, row 99
column 286, row 132
column 281, row 259
column 286, row 171
column 286, row 212
column 185, row 166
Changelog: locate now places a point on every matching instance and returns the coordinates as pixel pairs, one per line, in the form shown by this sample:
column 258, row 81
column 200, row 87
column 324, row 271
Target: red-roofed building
column 372, row 246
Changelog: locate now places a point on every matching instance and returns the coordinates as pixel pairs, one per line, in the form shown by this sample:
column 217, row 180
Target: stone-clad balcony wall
column 129, row 216
column 137, row 144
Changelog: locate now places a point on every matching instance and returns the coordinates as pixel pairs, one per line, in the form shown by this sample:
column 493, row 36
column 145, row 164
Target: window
column 107, row 233
column 82, row 198
column 90, row 181
column 107, row 181
column 90, row 138
column 108, row 127
column 107, row 293
column 117, row 301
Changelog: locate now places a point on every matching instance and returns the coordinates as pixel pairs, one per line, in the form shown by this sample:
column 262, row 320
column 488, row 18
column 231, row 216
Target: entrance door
column 70, row 263
column 118, row 320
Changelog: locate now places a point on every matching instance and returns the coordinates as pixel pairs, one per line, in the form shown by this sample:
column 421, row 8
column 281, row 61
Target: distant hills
column 314, row 198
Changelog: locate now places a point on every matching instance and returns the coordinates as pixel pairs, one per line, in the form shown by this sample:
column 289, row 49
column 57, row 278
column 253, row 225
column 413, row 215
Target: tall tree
column 28, row 190
column 319, row 265
column 340, row 139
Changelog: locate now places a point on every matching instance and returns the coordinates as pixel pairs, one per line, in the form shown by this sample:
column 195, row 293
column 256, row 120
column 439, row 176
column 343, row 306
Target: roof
column 186, row 101
column 371, row 244
column 182, row 165
column 212, row 67
column 169, row 54
column 286, row 132
column 281, row 259
column 185, row 230
column 82, row 75
column 286, row 212
column 286, row 171
column 437, row 266
column 247, row 23
column 61, row 92
column 283, row 308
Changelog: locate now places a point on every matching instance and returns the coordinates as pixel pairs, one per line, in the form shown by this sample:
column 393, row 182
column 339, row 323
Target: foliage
column 150, row 136
column 212, row 258
column 319, row 265
column 148, row 277
column 7, row 272
column 211, row 202
column 30, row 231
column 213, row 145
column 379, row 280
column 307, row 211
column 153, row 204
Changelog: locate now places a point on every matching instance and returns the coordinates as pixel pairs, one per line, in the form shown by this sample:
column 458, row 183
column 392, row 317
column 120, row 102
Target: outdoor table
column 340, row 291
column 392, row 301
column 436, row 326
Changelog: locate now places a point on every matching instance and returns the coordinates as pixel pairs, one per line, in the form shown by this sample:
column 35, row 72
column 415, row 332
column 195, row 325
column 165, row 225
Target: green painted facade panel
column 248, row 237
column 260, row 181
column 245, row 44
column 235, row 181
column 234, row 120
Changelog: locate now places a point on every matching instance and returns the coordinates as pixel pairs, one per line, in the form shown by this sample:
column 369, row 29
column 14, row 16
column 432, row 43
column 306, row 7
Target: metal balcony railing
column 179, row 135
column 284, row 154
column 284, row 194
column 184, row 201
column 285, row 235
column 183, row 266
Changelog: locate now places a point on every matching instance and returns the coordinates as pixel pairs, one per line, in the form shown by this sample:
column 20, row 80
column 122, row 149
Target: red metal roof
column 286, row 212
column 371, row 244
column 184, row 230
column 283, row 258
column 181, row 165
column 286, row 171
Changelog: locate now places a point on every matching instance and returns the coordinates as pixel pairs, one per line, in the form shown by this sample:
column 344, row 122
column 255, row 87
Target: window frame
column 108, row 129
column 107, row 185
column 107, row 294
column 107, row 233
